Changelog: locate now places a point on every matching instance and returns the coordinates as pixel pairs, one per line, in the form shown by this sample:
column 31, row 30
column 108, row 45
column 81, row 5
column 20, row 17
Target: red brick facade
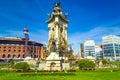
column 15, row 49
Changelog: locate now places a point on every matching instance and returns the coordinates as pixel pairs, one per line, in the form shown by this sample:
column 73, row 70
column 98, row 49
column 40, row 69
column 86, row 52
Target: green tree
column 12, row 63
column 86, row 63
column 104, row 61
column 117, row 64
column 22, row 65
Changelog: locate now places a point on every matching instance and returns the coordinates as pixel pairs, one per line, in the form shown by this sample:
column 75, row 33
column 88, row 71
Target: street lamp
column 26, row 41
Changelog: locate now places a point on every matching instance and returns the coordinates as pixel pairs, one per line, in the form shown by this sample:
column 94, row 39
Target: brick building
column 14, row 48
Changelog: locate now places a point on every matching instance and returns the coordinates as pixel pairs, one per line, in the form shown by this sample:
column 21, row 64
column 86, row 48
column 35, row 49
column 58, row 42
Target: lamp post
column 26, row 41
column 33, row 50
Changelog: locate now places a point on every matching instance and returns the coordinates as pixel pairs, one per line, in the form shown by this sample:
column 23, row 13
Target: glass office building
column 111, row 47
column 98, row 51
column 88, row 49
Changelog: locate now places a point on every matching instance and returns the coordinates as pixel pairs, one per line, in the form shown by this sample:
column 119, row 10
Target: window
column 18, row 55
column 8, row 56
column 4, row 50
column 19, row 50
column 3, row 56
column 14, row 56
column 9, row 50
column 14, row 50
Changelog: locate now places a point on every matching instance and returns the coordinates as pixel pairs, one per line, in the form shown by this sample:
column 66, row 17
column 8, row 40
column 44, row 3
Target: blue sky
column 89, row 19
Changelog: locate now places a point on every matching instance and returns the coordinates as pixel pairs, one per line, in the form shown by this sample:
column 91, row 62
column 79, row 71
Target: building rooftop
column 17, row 40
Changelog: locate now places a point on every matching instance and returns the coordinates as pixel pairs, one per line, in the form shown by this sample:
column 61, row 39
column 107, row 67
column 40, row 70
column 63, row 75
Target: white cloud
column 75, row 38
column 16, row 33
column 11, row 33
column 40, row 36
column 94, row 34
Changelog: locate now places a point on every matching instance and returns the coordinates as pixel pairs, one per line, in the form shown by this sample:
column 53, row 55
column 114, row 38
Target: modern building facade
column 98, row 51
column 78, row 55
column 111, row 47
column 14, row 48
column 88, row 49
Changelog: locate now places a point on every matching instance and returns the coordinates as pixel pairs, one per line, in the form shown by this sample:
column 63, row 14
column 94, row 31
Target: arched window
column 8, row 56
column 23, row 56
column 14, row 56
column 3, row 56
column 18, row 55
column 35, row 56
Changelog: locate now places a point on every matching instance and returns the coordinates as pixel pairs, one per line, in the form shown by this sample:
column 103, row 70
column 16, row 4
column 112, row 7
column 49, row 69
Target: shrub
column 22, row 65
column 85, row 63
column 104, row 61
column 4, row 64
column 117, row 64
column 12, row 63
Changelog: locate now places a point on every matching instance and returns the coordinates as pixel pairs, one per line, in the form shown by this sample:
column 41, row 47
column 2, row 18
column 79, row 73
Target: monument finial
column 57, row 4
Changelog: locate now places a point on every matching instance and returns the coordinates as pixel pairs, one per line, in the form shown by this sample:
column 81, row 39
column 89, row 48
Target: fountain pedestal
column 54, row 62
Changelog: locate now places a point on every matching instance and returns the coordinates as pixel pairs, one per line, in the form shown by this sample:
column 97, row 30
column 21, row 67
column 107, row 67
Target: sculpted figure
column 53, row 48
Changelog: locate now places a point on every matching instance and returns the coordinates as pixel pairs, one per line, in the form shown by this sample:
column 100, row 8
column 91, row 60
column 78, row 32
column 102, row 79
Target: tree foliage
column 22, row 65
column 104, row 61
column 86, row 63
column 115, row 63
column 12, row 63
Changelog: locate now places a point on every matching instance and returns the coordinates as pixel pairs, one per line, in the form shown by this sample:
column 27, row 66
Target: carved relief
column 57, row 29
column 61, row 36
